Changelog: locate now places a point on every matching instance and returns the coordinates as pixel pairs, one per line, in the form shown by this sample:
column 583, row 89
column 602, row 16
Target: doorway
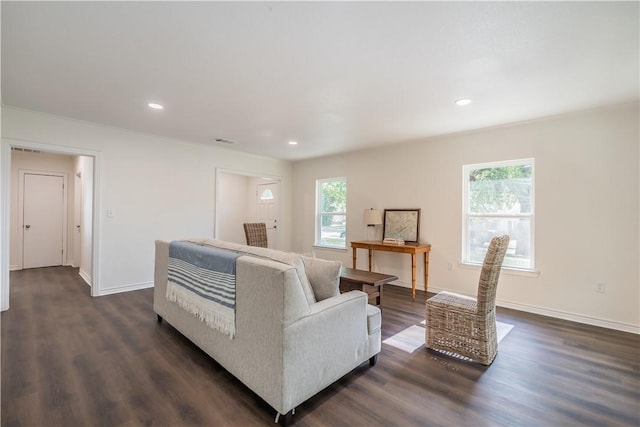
column 10, row 236
column 243, row 197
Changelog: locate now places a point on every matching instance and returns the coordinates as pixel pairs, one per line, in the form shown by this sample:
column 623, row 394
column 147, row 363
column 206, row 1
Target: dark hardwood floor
column 72, row 360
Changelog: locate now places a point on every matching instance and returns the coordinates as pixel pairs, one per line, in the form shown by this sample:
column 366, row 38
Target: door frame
column 5, row 206
column 247, row 174
column 65, row 218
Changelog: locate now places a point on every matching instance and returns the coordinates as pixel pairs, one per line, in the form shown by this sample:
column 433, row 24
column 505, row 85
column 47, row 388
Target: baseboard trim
column 85, row 276
column 573, row 317
column 126, row 288
column 15, row 267
column 558, row 314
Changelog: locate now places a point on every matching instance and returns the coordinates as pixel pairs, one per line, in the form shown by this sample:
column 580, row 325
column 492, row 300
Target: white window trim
column 465, row 213
column 318, row 231
column 513, row 271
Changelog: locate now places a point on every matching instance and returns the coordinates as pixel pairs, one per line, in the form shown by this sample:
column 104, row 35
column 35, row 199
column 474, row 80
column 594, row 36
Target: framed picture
column 402, row 224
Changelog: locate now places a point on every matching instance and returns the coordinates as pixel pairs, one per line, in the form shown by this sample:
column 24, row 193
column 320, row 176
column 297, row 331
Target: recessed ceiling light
column 463, row 101
column 293, row 142
column 155, row 106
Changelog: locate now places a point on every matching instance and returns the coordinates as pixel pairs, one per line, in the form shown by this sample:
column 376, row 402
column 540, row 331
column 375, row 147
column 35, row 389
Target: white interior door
column 267, row 210
column 43, row 216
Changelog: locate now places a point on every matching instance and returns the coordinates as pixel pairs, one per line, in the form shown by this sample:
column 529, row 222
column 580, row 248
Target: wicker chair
column 467, row 326
column 256, row 234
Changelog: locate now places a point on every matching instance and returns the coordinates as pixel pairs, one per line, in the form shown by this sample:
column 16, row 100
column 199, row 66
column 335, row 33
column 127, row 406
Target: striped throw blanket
column 202, row 280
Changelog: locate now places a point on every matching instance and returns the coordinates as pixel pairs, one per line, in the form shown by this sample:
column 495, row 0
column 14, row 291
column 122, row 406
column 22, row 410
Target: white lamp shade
column 372, row 217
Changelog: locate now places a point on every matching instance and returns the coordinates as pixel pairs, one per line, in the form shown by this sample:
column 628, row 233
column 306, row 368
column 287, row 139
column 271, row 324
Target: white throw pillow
column 324, row 276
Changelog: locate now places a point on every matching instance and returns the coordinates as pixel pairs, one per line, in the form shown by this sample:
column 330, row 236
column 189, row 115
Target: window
column 266, row 195
column 498, row 199
column 331, row 212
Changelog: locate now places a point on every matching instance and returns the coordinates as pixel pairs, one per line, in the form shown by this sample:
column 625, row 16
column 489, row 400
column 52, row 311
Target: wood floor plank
column 72, row 360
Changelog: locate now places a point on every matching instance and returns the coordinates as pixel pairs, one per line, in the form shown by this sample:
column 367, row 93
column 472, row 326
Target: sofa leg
column 159, row 319
column 373, row 360
column 285, row 419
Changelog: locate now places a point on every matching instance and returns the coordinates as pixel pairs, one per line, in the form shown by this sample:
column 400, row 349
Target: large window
column 331, row 212
column 498, row 199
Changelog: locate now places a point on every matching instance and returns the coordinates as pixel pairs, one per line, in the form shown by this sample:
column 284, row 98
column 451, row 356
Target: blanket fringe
column 214, row 320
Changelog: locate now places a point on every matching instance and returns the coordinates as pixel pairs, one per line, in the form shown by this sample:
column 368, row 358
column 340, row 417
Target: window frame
column 467, row 215
column 319, row 215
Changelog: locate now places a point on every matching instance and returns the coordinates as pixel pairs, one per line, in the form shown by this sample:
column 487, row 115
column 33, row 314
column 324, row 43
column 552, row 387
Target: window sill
column 329, row 248
column 506, row 270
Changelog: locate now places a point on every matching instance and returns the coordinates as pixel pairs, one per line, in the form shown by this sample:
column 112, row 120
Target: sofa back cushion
column 291, row 259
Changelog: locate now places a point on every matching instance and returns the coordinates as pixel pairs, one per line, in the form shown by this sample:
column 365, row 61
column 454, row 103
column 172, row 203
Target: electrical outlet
column 109, row 213
column 601, row 287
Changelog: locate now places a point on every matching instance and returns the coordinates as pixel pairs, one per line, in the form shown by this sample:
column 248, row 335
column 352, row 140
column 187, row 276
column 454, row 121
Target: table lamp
column 371, row 217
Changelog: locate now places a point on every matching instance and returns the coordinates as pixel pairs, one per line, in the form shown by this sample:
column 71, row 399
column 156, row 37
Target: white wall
column 233, row 209
column 42, row 162
column 158, row 188
column 587, row 221
column 252, row 198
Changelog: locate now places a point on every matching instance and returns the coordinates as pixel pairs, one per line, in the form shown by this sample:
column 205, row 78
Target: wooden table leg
column 413, row 276
column 426, row 271
column 369, row 259
column 355, row 254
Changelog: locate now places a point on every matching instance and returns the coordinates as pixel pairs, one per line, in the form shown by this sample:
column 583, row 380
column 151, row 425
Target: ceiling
column 333, row 76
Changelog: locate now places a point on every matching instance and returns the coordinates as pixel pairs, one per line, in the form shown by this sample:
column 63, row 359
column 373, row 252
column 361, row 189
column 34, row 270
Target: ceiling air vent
column 224, row 141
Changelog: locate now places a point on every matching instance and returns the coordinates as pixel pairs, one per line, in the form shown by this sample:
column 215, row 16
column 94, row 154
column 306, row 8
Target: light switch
column 109, row 213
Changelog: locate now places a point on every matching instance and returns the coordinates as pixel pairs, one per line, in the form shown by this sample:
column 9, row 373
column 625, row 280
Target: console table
column 408, row 248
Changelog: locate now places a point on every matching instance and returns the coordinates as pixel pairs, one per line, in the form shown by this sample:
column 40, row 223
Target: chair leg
column 373, row 360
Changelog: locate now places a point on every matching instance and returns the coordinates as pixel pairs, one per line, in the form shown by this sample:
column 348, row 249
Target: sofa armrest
column 336, row 302
column 324, row 345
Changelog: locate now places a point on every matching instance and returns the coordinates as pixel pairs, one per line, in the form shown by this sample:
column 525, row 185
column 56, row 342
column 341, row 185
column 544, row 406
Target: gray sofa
column 295, row 333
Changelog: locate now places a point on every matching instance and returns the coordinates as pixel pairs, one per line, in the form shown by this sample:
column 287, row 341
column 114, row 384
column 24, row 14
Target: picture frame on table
column 402, row 224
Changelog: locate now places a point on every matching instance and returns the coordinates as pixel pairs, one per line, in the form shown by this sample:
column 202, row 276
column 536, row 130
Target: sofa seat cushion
column 324, row 276
column 374, row 319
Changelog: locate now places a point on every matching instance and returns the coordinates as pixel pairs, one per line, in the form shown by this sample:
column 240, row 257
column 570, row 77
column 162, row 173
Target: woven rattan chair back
column 491, row 273
column 256, row 234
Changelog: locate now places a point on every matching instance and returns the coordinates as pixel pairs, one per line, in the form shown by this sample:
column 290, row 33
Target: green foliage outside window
column 334, row 199
column 331, row 210
column 494, row 190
